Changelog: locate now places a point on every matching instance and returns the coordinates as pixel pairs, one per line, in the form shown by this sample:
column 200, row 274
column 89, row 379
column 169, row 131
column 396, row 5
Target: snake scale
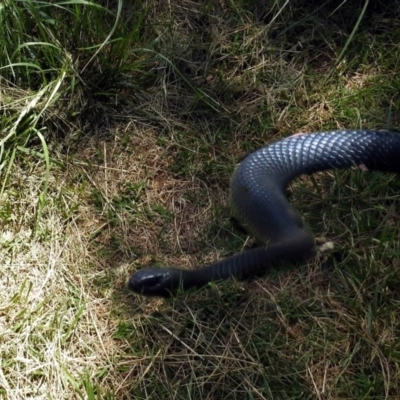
column 258, row 200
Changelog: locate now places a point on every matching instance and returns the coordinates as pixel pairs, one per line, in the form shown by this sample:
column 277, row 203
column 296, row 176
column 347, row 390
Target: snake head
column 154, row 281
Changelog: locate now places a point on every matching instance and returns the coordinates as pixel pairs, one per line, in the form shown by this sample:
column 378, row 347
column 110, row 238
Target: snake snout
column 150, row 282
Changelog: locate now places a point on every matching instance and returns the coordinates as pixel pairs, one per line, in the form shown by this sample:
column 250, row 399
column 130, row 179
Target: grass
column 121, row 126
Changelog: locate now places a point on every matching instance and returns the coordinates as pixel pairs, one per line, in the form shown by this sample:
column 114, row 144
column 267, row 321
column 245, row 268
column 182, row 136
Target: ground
column 122, row 126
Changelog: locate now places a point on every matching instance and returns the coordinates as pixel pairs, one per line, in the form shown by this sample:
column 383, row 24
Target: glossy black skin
column 260, row 204
column 155, row 281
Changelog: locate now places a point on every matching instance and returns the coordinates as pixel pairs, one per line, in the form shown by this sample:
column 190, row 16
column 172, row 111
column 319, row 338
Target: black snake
column 258, row 200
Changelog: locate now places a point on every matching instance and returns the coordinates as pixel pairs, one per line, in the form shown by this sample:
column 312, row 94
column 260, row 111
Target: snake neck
column 257, row 262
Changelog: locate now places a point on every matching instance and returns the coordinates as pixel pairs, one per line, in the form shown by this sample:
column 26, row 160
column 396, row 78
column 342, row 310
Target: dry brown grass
column 53, row 327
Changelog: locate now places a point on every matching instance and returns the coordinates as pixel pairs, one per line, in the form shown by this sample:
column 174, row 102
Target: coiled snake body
column 259, row 203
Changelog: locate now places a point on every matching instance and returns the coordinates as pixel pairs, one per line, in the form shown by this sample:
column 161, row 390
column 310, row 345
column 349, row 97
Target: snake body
column 258, row 200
